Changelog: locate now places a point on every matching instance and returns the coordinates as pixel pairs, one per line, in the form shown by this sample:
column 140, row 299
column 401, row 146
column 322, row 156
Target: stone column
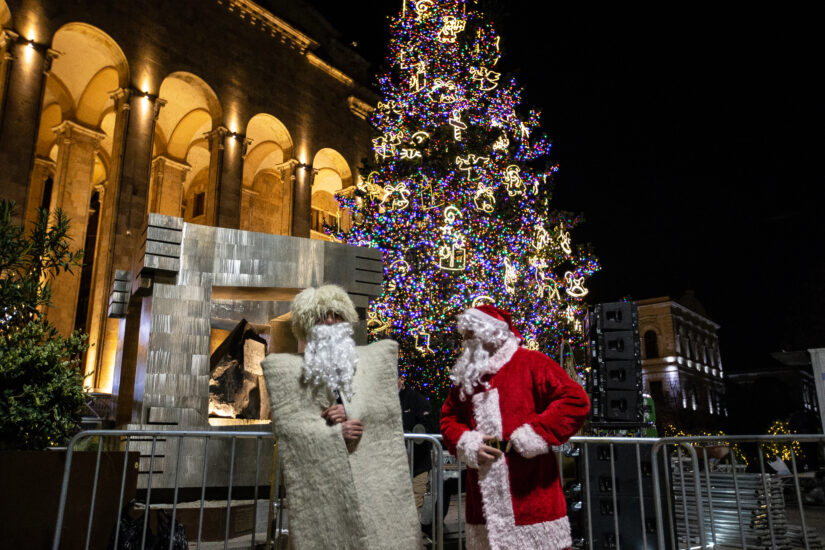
column 818, row 366
column 302, row 200
column 102, row 330
column 43, row 168
column 217, row 145
column 72, row 191
column 287, row 171
column 26, row 68
column 166, row 186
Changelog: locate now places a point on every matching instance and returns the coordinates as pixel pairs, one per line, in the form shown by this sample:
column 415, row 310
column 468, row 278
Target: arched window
column 651, row 345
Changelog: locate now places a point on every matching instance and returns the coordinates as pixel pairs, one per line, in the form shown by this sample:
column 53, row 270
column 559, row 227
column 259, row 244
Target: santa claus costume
column 518, row 396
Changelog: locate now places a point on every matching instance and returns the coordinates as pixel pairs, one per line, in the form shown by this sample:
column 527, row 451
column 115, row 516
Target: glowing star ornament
column 472, row 165
column 450, row 28
column 396, row 197
column 575, row 285
column 487, row 79
column 483, row 199
column 564, row 241
column 512, row 180
column 455, row 122
column 422, row 340
column 510, row 276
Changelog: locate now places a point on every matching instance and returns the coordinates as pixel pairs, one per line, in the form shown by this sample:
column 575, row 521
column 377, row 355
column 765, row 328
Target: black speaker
column 615, row 378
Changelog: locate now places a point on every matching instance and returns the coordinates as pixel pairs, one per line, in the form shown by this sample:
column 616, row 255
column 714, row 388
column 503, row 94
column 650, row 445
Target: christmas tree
column 458, row 198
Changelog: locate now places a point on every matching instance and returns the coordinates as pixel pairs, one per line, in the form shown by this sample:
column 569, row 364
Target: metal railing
column 665, row 493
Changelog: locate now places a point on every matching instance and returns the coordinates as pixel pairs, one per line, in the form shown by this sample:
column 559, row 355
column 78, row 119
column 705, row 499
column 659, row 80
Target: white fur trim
column 496, row 498
column 527, row 442
column 467, row 448
column 502, row 356
column 312, row 304
column 487, row 320
column 477, row 537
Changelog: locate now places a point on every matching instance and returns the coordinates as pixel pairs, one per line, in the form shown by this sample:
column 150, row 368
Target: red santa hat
column 490, row 315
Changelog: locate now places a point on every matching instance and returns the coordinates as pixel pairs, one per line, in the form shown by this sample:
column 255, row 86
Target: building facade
column 681, row 364
column 227, row 113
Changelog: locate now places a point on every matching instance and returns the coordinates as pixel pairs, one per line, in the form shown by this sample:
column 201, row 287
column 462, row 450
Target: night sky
column 691, row 142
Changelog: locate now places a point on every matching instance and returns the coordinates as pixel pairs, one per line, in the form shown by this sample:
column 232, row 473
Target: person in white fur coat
column 506, row 408
column 337, row 417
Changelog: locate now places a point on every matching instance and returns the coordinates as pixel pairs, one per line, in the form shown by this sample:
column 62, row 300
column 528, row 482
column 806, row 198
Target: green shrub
column 41, row 386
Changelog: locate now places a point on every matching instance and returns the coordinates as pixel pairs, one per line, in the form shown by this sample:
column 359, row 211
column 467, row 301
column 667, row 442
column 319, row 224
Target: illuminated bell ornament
column 397, row 194
column 376, row 322
column 575, row 285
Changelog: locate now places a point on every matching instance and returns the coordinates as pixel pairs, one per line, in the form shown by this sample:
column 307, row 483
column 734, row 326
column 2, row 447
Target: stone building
column 681, row 364
column 227, row 113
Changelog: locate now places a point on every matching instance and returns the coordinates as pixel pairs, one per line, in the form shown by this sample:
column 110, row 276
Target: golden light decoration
column 575, row 285
column 483, row 199
column 501, row 143
column 564, row 241
column 455, row 122
column 376, row 322
column 448, row 89
column 370, row 187
column 512, row 180
column 409, row 154
column 418, row 77
column 422, row 8
column 531, row 343
column 452, row 254
column 540, row 265
column 483, row 299
column 510, row 276
column 486, row 78
column 419, row 137
column 422, row 340
column 398, row 267
column 399, row 193
column 450, row 28
column 542, row 237
column 385, row 146
column 472, row 165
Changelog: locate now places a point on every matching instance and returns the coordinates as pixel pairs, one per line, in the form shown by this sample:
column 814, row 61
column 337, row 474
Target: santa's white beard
column 330, row 357
column 472, row 364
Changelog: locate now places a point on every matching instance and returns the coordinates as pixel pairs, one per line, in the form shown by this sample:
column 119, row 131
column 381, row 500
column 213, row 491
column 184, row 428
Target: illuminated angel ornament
column 483, row 199
column 396, row 197
column 450, row 28
column 564, row 241
column 376, row 321
column 422, row 340
column 510, row 276
column 455, row 122
column 575, row 285
column 512, row 180
column 487, row 79
column 472, row 165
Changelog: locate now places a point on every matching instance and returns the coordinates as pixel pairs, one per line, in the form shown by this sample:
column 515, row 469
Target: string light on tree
column 459, row 197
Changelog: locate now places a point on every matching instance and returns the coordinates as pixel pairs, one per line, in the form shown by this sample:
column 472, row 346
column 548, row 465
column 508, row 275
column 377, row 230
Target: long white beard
column 472, row 364
column 330, row 358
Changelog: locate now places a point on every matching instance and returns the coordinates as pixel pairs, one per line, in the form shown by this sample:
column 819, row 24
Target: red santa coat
column 532, row 402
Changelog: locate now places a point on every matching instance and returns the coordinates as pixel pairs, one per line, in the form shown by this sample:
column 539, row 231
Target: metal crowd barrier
column 148, row 442
column 640, row 493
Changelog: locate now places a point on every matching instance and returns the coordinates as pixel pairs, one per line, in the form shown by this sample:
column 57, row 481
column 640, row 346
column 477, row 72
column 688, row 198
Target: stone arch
column 266, row 203
column 332, row 177
column 72, row 166
column 180, row 150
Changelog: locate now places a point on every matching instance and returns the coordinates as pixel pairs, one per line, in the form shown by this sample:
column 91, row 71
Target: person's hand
column 509, row 446
column 352, row 431
column 486, row 453
column 334, row 414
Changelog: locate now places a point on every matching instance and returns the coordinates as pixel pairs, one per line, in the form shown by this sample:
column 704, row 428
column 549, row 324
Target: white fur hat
column 312, row 304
